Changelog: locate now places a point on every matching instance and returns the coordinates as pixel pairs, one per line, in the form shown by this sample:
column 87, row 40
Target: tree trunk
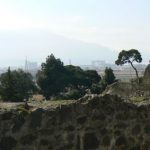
column 135, row 72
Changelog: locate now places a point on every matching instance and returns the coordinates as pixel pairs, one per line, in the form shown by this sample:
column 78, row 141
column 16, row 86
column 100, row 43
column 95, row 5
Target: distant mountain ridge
column 36, row 45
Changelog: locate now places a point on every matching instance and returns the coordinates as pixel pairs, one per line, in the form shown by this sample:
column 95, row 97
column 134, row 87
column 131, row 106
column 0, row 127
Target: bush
column 16, row 85
column 109, row 76
column 96, row 89
column 74, row 94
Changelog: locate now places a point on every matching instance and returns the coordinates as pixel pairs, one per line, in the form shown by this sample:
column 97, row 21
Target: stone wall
column 102, row 123
column 146, row 79
column 121, row 89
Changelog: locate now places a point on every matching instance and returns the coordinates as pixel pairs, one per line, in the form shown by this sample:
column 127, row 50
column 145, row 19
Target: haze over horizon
column 72, row 29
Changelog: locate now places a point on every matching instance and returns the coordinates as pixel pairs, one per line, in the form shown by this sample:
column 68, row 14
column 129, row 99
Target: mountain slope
column 36, row 45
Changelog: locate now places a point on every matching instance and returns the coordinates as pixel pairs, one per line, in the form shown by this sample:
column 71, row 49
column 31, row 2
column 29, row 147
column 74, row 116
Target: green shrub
column 74, row 94
column 96, row 89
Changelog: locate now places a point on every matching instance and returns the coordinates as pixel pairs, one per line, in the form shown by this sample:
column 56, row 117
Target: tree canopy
column 129, row 56
column 51, row 78
column 54, row 77
column 78, row 77
column 109, row 76
column 16, row 85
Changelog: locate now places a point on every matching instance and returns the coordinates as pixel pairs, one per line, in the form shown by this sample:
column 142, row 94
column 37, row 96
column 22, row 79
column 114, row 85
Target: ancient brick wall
column 101, row 123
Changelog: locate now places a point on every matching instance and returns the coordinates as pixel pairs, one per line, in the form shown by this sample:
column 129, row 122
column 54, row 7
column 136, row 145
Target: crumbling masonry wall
column 101, row 123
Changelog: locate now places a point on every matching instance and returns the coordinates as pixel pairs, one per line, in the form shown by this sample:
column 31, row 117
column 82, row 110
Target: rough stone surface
column 121, row 89
column 101, row 123
column 146, row 78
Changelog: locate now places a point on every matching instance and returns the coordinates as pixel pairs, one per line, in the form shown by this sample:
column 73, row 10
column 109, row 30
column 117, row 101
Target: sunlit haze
column 76, row 30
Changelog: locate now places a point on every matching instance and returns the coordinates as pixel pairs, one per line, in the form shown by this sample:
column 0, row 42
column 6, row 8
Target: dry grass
column 36, row 104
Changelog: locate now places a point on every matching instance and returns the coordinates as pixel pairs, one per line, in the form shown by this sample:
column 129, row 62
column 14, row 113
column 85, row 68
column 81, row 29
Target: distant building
column 32, row 65
column 98, row 63
column 125, row 73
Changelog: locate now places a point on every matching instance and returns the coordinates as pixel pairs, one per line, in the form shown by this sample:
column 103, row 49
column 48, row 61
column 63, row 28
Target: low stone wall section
column 101, row 123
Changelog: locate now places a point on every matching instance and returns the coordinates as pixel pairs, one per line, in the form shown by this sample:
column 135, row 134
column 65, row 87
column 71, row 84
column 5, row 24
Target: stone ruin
column 146, row 78
column 131, row 89
column 100, row 123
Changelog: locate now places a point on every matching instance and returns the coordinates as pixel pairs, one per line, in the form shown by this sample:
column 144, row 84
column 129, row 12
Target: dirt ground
column 34, row 105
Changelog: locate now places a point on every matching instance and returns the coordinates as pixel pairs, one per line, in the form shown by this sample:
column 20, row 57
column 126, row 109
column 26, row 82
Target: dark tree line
column 53, row 80
column 16, row 85
column 54, row 77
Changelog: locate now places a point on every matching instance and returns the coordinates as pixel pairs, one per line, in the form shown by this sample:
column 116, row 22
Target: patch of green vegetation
column 137, row 99
column 50, row 104
column 22, row 110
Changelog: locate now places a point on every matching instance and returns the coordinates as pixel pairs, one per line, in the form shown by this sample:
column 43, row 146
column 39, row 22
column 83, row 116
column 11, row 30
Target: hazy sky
column 117, row 24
